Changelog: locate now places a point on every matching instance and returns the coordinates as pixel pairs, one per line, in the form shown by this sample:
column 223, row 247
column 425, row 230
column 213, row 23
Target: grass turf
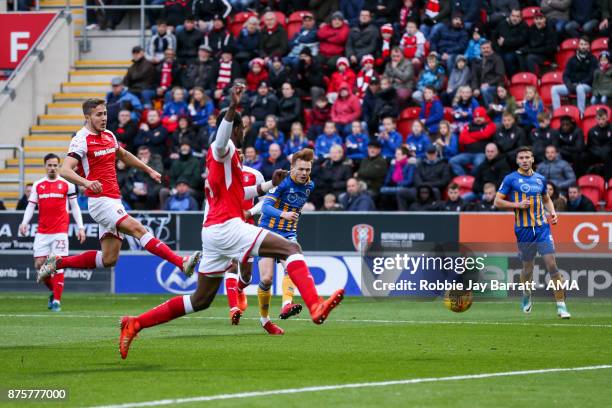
column 363, row 341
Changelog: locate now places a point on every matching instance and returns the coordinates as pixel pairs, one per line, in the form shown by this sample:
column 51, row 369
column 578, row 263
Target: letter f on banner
column 16, row 46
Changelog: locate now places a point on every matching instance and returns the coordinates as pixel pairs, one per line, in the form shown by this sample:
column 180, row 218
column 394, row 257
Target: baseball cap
column 337, row 14
column 116, row 81
column 431, row 149
column 137, row 49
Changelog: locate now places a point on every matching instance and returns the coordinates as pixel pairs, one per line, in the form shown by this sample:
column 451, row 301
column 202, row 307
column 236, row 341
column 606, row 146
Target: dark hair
column 555, row 193
column 601, row 112
column 524, row 149
column 304, row 154
column 50, row 156
column 91, row 104
column 237, row 118
column 553, row 146
column 161, row 21
column 574, row 185
column 405, row 150
column 585, row 38
column 453, row 186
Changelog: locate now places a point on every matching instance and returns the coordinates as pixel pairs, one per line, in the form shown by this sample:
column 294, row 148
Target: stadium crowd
column 413, row 105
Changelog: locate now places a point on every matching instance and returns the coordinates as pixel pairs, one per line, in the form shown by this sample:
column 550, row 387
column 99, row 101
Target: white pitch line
column 373, row 321
column 254, row 394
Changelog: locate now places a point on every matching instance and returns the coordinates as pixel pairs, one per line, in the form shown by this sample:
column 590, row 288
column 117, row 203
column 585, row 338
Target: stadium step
column 31, row 175
column 10, row 190
column 77, row 97
column 30, row 162
column 45, row 141
column 45, row 129
column 85, row 87
column 86, row 75
column 68, row 120
column 64, row 108
column 61, row 3
column 97, row 65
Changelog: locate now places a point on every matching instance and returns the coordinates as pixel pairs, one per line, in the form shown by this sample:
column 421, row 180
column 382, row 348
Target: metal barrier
column 21, row 177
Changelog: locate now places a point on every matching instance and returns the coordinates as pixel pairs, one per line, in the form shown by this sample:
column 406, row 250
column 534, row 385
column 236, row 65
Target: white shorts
column 50, row 244
column 222, row 243
column 107, row 212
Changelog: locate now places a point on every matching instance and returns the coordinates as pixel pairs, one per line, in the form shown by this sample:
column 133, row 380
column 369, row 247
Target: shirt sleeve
column 33, row 198
column 78, row 147
column 506, row 185
column 71, row 190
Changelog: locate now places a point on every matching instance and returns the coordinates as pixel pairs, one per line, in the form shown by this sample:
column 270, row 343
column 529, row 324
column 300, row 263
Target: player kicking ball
column 226, row 237
column 524, row 191
column 95, row 150
column 52, row 195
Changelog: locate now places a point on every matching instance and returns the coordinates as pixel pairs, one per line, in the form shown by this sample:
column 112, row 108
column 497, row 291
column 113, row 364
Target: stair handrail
column 21, row 157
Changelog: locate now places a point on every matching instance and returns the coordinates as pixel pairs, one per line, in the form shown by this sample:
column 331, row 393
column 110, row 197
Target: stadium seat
column 519, row 82
column 592, row 187
column 528, row 14
column 465, row 183
column 549, row 80
column 448, row 114
column 609, row 196
column 591, row 111
column 565, row 110
column 294, row 23
column 567, row 50
column 307, row 119
column 598, row 45
column 587, row 124
column 407, row 116
column 236, row 23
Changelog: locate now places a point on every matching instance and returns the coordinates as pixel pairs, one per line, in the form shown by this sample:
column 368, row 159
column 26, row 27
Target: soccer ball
column 458, row 301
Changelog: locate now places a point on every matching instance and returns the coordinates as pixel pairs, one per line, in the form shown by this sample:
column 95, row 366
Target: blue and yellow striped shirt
column 518, row 186
column 288, row 196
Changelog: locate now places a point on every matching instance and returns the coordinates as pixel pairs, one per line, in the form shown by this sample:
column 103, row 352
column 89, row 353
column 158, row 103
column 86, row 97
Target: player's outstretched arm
column 67, row 172
column 132, row 161
column 550, row 207
column 224, row 133
column 262, row 188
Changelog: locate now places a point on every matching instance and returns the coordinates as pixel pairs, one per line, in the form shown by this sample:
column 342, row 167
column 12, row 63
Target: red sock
column 85, row 260
column 156, row 247
column 167, row 311
column 231, row 288
column 301, row 277
column 242, row 285
column 49, row 283
column 58, row 286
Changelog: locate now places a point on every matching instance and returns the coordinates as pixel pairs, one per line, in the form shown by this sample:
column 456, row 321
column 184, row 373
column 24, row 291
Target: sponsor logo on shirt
column 104, row 152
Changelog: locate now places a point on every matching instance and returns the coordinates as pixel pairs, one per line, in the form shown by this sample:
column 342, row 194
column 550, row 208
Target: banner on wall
column 18, row 33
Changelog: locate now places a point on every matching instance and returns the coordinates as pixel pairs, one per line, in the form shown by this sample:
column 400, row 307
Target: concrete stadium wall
column 110, row 45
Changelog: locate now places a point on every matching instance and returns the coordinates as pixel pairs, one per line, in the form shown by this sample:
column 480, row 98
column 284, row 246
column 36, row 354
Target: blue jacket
column 430, row 77
column 200, row 114
column 294, row 145
column 324, row 143
column 304, row 38
column 175, row 108
column 180, row 202
column 263, row 145
column 449, row 40
column 530, row 116
column 126, row 96
column 469, row 8
column 246, row 42
column 361, row 202
column 407, row 177
column 350, row 9
column 473, row 49
column 465, row 108
column 391, row 144
column 420, row 143
column 357, row 146
column 452, row 149
column 582, row 11
column 436, row 114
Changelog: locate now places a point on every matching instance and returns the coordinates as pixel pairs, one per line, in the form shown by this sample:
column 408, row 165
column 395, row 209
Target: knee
column 293, row 248
column 38, row 263
column 200, row 303
column 110, row 260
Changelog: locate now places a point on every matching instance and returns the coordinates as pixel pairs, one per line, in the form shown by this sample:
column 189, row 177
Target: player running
column 524, row 191
column 52, row 195
column 226, row 237
column 95, row 150
column 280, row 213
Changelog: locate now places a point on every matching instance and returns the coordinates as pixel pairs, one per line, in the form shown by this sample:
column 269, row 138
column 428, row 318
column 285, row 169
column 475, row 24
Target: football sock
column 288, row 290
column 263, row 296
column 157, row 247
column 49, row 282
column 85, row 260
column 58, row 285
column 559, row 292
column 242, row 284
column 176, row 307
column 231, row 288
column 301, row 277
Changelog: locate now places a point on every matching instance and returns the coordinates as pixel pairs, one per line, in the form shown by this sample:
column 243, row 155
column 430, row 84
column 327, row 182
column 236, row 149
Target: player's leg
column 557, row 278
column 526, row 242
column 288, row 308
column 266, row 274
column 172, row 309
column 244, row 279
column 231, row 288
column 59, row 247
column 48, row 281
column 526, row 276
column 275, row 246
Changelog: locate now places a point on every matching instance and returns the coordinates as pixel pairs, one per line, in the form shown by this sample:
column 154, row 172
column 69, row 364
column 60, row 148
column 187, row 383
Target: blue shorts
column 534, row 240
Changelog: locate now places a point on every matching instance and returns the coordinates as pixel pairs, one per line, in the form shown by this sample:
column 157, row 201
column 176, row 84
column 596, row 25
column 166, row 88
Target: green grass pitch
column 364, row 341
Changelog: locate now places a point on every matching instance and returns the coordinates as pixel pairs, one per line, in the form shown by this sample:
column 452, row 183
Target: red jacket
column 339, row 78
column 473, row 138
column 345, row 111
column 332, row 40
column 253, row 80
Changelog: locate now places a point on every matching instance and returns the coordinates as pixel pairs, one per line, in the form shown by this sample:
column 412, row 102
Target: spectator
column 409, row 13
column 371, row 98
column 540, row 47
column 463, row 106
column 583, row 18
column 306, row 37
column 168, row 72
column 424, row 199
column 365, row 75
column 278, row 74
column 332, row 39
column 252, row 159
column 399, row 71
column 387, row 42
column 126, row 130
column 472, row 140
column 261, row 105
column 492, row 170
column 418, row 140
column 176, row 12
column 330, row 203
column 460, row 76
column 269, row 134
column 437, row 16
column 160, row 42
column 509, row 36
column 322, row 8
column 297, row 140
column 226, row 71
column 577, row 76
column 469, row 9
column 275, row 161
column 509, row 137
column 289, row 108
column 331, row 175
column 559, row 201
column 257, row 74
column 401, row 173
column 321, row 113
column 543, row 136
column 206, row 11
column 454, row 203
column 182, row 200
column 385, row 104
column 120, row 98
column 23, row 201
column 247, row 43
column 602, row 80
column 557, row 12
column 140, row 77
column 556, row 170
column 502, row 102
column 412, row 44
column 446, row 141
column 144, row 194
column 373, row 168
column 488, row 74
column 383, row 11
column 188, row 42
column 432, row 76
column 357, row 143
column 432, row 111
column 218, row 38
column 200, row 107
column 571, row 143
column 389, row 138
column 184, row 134
column 350, row 10
column 606, row 13
column 530, row 107
column 345, row 109
column 486, row 202
column 362, row 39
column 450, row 41
column 201, row 72
column 599, row 142
column 357, row 197
column 274, row 40
column 152, row 135
column 174, row 109
column 186, row 167
column 577, row 202
column 499, row 10
column 343, row 74
column 206, row 134
column 326, row 140
column 308, row 76
column 473, row 52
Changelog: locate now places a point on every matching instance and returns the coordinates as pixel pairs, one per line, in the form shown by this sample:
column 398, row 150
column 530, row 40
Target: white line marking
column 243, row 395
column 373, row 321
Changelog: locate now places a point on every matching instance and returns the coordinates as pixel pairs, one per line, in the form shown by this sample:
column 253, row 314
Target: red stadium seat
column 566, row 110
column 567, row 50
column 519, row 82
column 307, row 119
column 465, row 183
column 587, row 124
column 592, row 186
column 528, row 14
column 294, row 23
column 407, row 116
column 238, row 20
column 598, row 45
column 591, row 111
column 609, row 196
column 448, row 114
column 549, row 80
